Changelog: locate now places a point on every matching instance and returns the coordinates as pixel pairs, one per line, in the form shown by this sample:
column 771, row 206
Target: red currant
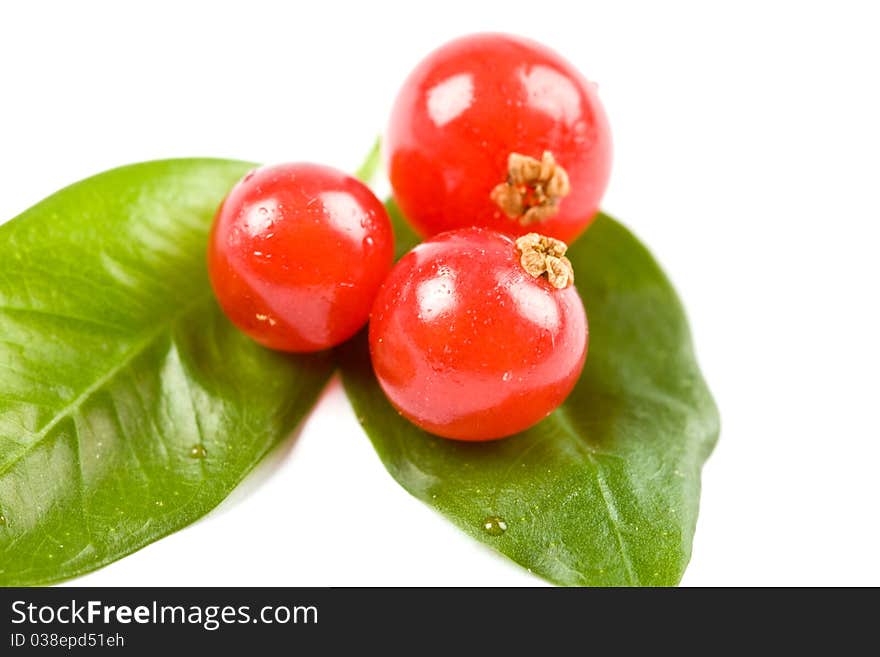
column 498, row 131
column 475, row 336
column 297, row 254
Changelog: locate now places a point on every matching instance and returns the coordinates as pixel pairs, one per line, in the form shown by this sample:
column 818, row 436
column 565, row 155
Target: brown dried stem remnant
column 533, row 188
column 546, row 255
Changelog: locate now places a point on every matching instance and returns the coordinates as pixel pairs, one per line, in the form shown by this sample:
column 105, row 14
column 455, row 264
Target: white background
column 747, row 155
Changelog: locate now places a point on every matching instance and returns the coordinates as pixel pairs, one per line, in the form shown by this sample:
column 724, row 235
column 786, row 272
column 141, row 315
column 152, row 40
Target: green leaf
column 605, row 491
column 405, row 238
column 129, row 405
column 370, row 167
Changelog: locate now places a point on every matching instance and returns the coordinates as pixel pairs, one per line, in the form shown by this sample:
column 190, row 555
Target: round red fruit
column 498, row 131
column 297, row 254
column 477, row 336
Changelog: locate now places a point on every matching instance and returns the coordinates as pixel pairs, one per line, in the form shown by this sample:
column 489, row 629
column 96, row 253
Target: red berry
column 469, row 131
column 297, row 254
column 473, row 338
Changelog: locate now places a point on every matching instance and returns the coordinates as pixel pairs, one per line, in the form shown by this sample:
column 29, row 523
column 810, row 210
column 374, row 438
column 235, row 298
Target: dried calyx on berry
column 533, row 188
column 541, row 255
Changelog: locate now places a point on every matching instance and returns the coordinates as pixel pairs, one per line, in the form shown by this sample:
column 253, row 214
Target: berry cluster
column 498, row 152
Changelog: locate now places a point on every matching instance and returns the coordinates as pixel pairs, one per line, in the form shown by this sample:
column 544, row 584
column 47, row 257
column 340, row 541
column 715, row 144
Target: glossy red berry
column 297, row 254
column 475, row 336
column 498, row 131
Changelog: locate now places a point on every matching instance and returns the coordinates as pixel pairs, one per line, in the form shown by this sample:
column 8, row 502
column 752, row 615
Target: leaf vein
column 136, row 350
column 611, row 510
column 81, row 482
column 192, row 406
column 39, row 312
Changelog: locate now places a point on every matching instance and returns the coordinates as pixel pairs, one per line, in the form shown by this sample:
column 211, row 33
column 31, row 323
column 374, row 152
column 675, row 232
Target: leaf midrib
column 127, row 358
column 611, row 510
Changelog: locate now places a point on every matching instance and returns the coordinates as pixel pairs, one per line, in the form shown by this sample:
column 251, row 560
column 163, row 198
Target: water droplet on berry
column 198, row 451
column 506, row 376
column 368, row 242
column 494, row 525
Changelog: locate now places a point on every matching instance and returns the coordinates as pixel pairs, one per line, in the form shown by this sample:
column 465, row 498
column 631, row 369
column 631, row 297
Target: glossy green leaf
column 605, row 491
column 129, row 405
column 368, row 170
column 405, row 237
